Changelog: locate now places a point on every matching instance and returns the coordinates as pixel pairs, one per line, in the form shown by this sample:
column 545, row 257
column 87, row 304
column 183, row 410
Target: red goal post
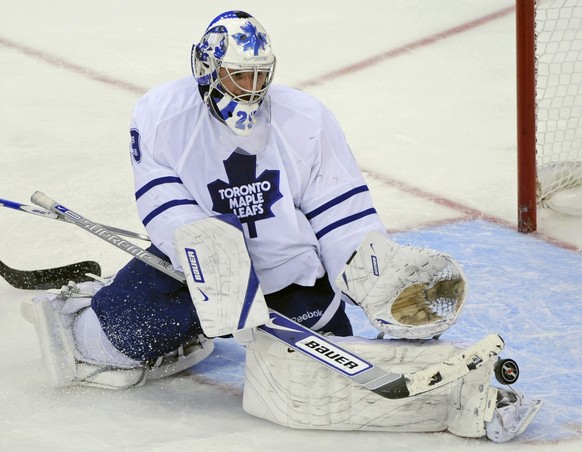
column 549, row 107
column 526, row 116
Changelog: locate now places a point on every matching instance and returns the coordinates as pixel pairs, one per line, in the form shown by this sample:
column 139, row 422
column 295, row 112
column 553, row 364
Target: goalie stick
column 48, row 278
column 52, row 216
column 386, row 384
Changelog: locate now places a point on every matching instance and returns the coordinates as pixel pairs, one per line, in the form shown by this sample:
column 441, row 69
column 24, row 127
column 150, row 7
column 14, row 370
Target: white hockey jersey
column 293, row 183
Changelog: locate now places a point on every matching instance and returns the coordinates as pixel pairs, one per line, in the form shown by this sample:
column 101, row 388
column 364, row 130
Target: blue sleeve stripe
column 151, row 184
column 176, row 202
column 344, row 221
column 336, row 201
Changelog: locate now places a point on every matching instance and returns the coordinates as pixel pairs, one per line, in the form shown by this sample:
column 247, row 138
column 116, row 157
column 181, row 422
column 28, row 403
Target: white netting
column 558, row 95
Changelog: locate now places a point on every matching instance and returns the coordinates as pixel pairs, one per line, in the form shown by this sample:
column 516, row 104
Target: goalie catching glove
column 406, row 292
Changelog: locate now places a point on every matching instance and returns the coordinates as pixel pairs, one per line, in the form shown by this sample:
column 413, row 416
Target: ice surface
column 433, row 129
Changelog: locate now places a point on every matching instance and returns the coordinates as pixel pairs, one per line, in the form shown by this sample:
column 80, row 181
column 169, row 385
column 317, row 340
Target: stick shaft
column 52, row 216
column 104, row 233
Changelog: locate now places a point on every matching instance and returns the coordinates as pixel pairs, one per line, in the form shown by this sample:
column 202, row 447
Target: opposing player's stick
column 48, row 278
column 386, row 384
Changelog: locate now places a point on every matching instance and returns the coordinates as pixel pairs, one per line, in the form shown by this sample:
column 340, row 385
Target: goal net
column 549, row 58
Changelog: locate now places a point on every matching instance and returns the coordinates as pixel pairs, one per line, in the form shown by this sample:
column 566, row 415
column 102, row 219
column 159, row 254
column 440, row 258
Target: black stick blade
column 49, row 278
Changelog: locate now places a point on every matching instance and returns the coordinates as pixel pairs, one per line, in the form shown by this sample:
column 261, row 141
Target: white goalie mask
column 234, row 66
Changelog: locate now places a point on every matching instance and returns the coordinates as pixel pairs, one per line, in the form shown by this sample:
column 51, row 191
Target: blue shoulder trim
column 344, row 221
column 176, row 202
column 341, row 198
column 151, row 184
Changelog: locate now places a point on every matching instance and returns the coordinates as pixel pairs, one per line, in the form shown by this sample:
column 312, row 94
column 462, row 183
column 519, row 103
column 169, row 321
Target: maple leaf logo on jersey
column 249, row 197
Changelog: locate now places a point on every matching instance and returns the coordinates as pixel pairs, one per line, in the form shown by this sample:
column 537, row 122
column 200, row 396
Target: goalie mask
column 234, row 66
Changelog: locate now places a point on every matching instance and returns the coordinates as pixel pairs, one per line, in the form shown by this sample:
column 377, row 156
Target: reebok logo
column 307, row 316
column 194, row 265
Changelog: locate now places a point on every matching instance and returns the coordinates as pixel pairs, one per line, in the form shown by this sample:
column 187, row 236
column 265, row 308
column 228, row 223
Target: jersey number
column 242, row 118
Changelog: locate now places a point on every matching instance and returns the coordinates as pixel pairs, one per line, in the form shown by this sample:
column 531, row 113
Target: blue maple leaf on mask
column 220, row 49
column 251, row 39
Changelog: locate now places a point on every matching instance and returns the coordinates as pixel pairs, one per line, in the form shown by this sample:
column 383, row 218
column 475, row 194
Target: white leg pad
column 75, row 350
column 54, row 331
column 287, row 388
column 94, row 347
column 53, row 317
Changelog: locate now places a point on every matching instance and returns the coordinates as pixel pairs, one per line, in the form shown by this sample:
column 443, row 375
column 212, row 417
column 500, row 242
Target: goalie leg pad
column 75, row 350
column 54, row 332
column 287, row 388
column 53, row 316
column 93, row 346
column 104, row 366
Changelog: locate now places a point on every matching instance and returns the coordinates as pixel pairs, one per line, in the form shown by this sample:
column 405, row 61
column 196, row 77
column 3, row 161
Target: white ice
column 433, row 129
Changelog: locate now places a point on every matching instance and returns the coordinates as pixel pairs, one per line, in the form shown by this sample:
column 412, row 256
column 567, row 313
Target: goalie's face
column 244, row 85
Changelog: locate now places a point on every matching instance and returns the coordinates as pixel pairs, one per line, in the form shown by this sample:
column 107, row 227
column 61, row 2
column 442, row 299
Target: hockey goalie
column 411, row 294
column 251, row 193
